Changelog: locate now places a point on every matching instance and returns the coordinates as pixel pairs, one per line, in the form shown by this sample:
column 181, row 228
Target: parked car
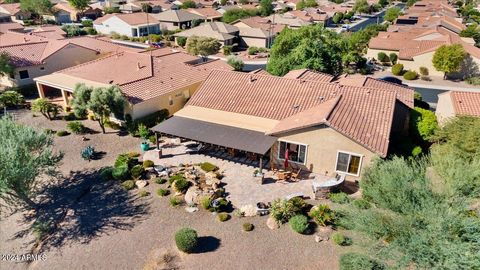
column 392, row 80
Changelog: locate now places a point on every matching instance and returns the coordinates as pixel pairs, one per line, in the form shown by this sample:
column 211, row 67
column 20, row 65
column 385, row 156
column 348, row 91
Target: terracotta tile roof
column 50, row 32
column 65, row 6
column 101, row 45
column 363, row 114
column 466, row 103
column 260, row 71
column 14, row 38
column 177, row 16
column 306, row 74
column 261, row 23
column 5, row 27
column 142, row 76
column 404, row 93
column 12, row 9
column 207, row 12
column 218, row 30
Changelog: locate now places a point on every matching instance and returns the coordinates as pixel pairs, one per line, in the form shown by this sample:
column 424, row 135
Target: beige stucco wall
column 68, row 56
column 445, row 108
column 179, row 98
column 423, row 60
column 323, row 143
column 373, row 53
column 253, row 42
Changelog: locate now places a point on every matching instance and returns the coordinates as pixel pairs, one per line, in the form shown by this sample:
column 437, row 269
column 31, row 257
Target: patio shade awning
column 221, row 135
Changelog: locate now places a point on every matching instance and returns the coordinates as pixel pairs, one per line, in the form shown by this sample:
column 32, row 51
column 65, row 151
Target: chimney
column 251, row 79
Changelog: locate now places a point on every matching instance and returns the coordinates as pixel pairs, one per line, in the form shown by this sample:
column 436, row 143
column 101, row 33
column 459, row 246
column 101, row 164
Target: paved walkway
column 241, row 186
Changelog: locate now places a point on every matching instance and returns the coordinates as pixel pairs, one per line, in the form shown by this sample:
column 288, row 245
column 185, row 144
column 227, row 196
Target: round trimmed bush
column 106, row 173
column 175, row 201
column 133, row 154
column 175, row 177
column 76, row 127
column 299, row 223
column 208, row 167
column 424, row 71
column 206, row 203
column 186, row 240
column 361, row 204
column 163, row 192
column 128, row 185
column 397, row 69
column 223, row 217
column 181, row 185
column 410, row 75
column 357, row 261
column 120, row 172
column 248, row 227
column 393, row 58
column 148, row 164
column 137, row 171
column 383, row 57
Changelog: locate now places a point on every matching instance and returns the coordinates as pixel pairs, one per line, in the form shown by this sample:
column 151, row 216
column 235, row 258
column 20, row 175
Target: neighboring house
column 176, row 19
column 63, row 12
column 289, row 20
column 5, row 18
column 326, row 128
column 37, row 59
column 456, row 103
column 416, row 50
column 311, row 15
column 225, row 33
column 210, row 14
column 257, row 31
column 156, row 6
column 15, row 13
column 132, row 25
column 151, row 81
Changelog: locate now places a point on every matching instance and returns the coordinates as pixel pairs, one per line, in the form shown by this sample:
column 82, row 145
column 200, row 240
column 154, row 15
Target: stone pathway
column 242, row 187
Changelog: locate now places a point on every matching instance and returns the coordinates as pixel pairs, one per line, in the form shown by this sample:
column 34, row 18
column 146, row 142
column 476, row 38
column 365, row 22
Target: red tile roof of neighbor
column 363, row 114
column 142, row 76
column 11, row 8
column 311, row 75
column 466, row 103
column 137, row 18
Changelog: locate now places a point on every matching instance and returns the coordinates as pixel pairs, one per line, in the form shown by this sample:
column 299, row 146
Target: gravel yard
column 109, row 228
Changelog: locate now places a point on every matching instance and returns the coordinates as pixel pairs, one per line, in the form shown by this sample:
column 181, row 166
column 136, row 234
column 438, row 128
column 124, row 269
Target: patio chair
column 282, row 176
column 295, row 176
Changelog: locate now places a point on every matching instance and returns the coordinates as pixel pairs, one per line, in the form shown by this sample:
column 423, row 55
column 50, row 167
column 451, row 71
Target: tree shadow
column 84, row 207
column 207, row 244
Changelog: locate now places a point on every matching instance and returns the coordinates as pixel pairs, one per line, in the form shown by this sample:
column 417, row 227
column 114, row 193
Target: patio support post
column 261, row 164
column 41, row 92
column 65, row 98
column 156, row 140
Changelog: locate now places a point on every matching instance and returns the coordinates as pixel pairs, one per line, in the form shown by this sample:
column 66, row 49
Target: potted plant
column 143, row 132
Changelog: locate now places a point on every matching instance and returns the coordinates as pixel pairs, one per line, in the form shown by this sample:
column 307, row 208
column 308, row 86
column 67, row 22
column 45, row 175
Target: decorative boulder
column 193, row 195
column 190, row 175
column 141, row 183
column 272, row 224
column 249, row 210
column 211, row 179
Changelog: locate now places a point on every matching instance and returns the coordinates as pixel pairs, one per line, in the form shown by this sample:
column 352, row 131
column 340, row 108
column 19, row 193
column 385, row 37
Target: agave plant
column 87, row 153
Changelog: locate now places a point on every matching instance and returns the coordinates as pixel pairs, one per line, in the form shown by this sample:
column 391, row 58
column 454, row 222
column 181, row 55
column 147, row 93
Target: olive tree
column 448, row 58
column 203, row 46
column 102, row 102
column 26, row 156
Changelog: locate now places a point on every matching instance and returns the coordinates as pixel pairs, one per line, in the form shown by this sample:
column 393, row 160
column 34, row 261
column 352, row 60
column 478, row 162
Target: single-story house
column 257, row 31
column 5, row 18
column 63, row 12
column 15, row 13
column 150, row 80
column 155, row 6
column 177, row 19
column 457, row 103
column 209, row 13
column 225, row 33
column 416, row 50
column 132, row 25
column 324, row 128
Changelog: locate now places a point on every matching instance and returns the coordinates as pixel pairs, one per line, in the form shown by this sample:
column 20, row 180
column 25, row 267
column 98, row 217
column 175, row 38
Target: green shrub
column 341, row 239
column 222, row 204
column 91, row 31
column 175, row 177
column 76, row 127
column 474, row 80
column 356, row 261
column 361, row 204
column 397, row 69
column 175, row 201
column 208, row 167
column 393, row 58
column 340, row 197
column 181, row 41
column 383, row 57
column 125, row 160
column 206, row 203
column 120, row 172
column 181, row 185
column 227, row 49
column 49, row 131
column 235, row 62
column 62, row 133
column 186, row 240
column 223, row 217
column 424, row 71
column 410, row 75
column 152, row 119
column 416, row 151
column 423, row 124
column 148, row 164
column 248, row 227
column 137, row 171
column 281, row 210
column 163, row 192
column 133, row 154
column 299, row 223
column 298, row 204
column 143, row 193
column 255, row 50
column 160, row 180
column 128, row 185
column 41, row 229
column 107, row 173
column 322, row 214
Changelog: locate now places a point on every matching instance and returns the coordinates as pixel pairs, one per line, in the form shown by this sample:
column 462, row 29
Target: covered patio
column 227, row 142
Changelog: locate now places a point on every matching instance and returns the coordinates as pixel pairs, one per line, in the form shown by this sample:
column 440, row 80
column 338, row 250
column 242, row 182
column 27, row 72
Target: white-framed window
column 348, row 163
column 296, row 152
